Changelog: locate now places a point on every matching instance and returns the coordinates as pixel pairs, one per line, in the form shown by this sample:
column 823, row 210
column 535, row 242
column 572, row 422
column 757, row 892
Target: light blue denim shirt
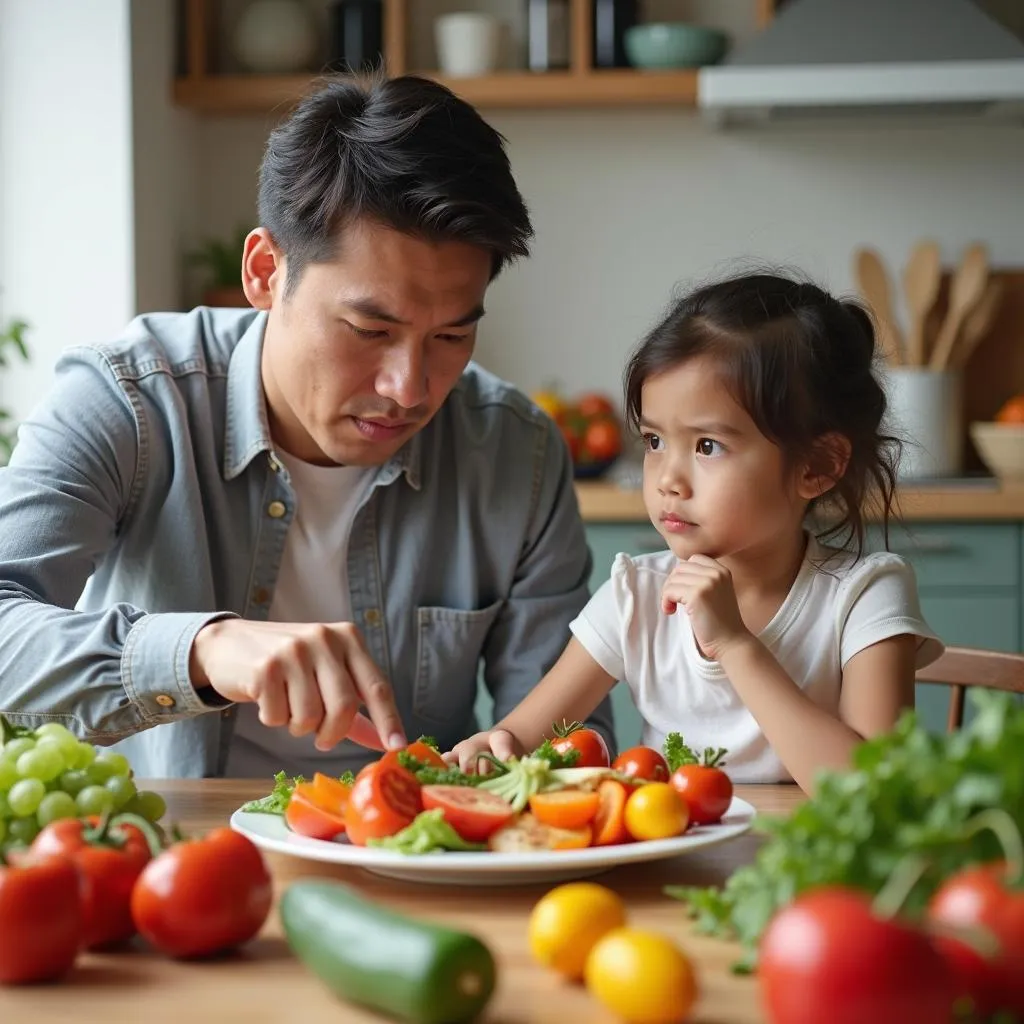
column 144, row 500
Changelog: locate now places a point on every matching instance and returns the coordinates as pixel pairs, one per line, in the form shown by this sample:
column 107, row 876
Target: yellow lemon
column 566, row 922
column 641, row 976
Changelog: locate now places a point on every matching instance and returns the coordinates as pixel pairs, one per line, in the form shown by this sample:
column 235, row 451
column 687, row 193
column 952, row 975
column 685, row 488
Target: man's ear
column 262, row 269
column 825, row 467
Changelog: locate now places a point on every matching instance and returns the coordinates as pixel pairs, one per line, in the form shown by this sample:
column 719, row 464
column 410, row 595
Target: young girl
column 757, row 405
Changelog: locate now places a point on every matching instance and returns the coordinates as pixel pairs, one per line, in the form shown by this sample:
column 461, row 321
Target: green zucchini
column 365, row 953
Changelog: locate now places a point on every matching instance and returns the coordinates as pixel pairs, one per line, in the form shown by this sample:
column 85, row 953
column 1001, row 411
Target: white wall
column 628, row 203
column 66, row 235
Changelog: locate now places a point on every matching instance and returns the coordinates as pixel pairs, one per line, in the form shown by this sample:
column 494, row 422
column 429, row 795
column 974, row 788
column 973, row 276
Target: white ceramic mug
column 926, row 413
column 468, row 43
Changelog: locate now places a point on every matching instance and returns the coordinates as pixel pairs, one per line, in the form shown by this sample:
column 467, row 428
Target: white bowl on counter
column 1001, row 447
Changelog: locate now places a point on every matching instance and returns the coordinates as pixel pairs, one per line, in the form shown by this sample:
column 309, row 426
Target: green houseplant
column 221, row 261
column 12, row 343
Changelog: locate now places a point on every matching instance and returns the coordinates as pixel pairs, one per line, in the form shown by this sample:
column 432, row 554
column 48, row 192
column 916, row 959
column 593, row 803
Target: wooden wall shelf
column 205, row 91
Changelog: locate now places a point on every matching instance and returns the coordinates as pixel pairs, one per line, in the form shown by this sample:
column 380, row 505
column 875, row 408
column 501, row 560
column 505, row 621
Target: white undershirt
column 312, row 586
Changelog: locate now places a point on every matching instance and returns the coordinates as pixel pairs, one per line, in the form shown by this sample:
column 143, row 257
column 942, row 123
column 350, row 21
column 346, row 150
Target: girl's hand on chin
column 703, row 587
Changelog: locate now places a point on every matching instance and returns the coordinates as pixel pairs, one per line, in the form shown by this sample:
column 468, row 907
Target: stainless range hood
column 875, row 58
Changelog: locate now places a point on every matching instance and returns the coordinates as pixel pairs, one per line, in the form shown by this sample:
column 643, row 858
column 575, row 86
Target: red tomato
column 609, row 824
column 306, row 814
column 475, row 814
column 706, row 790
column 979, row 898
column 384, row 799
column 108, row 870
column 202, row 896
column 426, row 753
column 602, row 440
column 593, row 405
column 642, row 763
column 591, row 745
column 41, row 918
column 827, row 958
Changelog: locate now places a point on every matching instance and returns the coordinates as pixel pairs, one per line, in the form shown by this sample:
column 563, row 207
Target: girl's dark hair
column 800, row 362
column 406, row 152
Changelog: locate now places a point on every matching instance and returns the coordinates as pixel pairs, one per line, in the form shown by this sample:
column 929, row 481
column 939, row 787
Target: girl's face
column 713, row 483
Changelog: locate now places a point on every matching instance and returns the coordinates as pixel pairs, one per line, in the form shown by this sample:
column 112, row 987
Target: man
column 281, row 515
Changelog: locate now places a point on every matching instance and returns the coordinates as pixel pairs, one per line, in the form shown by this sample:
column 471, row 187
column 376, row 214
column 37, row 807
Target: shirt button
column 276, row 509
column 260, row 595
column 372, row 617
column 165, row 700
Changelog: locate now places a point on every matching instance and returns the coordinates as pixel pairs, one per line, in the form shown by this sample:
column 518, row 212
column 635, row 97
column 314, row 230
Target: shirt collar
column 247, row 430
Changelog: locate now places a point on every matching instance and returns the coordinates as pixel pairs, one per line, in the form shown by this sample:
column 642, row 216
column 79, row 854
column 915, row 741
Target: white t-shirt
column 312, row 586
column 832, row 611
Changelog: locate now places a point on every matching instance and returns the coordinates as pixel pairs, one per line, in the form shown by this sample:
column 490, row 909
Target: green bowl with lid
column 673, row 44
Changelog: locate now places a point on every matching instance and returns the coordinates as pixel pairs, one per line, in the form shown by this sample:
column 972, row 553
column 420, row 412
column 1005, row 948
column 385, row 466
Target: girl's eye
column 362, row 332
column 652, row 442
column 709, row 447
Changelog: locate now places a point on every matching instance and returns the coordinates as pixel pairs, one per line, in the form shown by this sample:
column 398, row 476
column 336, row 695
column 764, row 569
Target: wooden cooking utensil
column 965, row 291
column 922, row 277
column 977, row 323
column 873, row 282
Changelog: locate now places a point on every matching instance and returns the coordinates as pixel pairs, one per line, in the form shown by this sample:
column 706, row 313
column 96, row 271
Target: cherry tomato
column 591, row 406
column 426, row 753
column 565, row 808
column 827, row 957
column 202, row 896
column 979, row 898
column 111, row 857
column 602, row 440
column 590, row 743
column 41, row 918
column 642, row 763
column 707, row 791
column 609, row 823
column 655, row 811
column 306, row 814
column 385, row 798
column 475, row 814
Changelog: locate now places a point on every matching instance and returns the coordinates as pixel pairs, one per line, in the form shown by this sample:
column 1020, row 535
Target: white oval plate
column 485, row 868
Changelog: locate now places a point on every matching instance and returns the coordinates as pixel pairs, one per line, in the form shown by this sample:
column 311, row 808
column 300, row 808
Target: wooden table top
column 265, row 983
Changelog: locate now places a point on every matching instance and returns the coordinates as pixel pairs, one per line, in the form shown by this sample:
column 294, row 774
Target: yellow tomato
column 656, row 811
column 550, row 401
column 567, row 921
column 641, row 976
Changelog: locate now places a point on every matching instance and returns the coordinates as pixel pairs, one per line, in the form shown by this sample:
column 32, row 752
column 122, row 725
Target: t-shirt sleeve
column 879, row 600
column 602, row 624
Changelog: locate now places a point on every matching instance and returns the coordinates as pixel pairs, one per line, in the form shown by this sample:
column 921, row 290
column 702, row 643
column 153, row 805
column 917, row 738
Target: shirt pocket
column 448, row 650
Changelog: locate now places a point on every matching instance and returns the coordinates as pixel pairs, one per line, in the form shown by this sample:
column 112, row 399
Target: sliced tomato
column 331, row 794
column 385, row 798
column 565, row 808
column 609, row 823
column 642, row 763
column 306, row 816
column 475, row 814
column 426, row 753
column 526, row 834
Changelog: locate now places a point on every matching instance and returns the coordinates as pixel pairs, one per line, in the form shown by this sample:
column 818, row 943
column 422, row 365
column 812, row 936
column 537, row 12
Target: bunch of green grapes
column 50, row 774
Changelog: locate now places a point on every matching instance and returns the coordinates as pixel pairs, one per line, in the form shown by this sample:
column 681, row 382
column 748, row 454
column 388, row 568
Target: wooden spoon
column 964, row 293
column 977, row 323
column 873, row 282
column 922, row 277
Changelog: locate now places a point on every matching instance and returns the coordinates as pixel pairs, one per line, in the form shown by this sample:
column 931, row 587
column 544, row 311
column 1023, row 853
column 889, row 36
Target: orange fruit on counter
column 1012, row 411
column 550, row 401
column 567, row 922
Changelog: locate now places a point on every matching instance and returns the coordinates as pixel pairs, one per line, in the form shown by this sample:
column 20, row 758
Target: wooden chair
column 960, row 667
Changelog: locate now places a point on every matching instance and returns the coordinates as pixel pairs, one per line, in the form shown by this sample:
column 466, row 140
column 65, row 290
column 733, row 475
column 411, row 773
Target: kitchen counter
column 606, row 503
column 265, row 983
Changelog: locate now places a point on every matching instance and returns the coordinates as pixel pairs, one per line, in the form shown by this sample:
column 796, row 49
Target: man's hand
column 311, row 677
column 704, row 588
column 466, row 755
